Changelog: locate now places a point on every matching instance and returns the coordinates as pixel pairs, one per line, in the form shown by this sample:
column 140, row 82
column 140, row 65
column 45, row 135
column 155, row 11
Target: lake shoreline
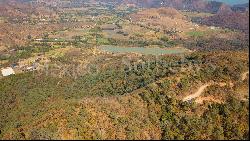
column 144, row 51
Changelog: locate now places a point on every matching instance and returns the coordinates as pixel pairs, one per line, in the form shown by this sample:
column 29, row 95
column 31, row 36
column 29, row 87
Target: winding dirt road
column 203, row 87
column 198, row 93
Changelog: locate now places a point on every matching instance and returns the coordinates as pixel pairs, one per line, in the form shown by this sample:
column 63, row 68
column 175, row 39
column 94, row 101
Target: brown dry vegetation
column 163, row 18
column 110, row 99
column 233, row 20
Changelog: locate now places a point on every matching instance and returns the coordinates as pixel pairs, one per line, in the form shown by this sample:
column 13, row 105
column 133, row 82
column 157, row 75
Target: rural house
column 7, row 71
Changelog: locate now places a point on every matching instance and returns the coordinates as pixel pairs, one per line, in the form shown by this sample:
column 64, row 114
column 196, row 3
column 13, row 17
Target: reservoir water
column 142, row 50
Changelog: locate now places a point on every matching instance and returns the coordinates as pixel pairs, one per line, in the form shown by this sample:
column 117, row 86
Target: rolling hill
column 229, row 19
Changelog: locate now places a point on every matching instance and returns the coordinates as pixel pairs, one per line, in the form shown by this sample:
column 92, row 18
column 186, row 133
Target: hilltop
column 241, row 7
column 193, row 5
column 230, row 19
column 158, row 17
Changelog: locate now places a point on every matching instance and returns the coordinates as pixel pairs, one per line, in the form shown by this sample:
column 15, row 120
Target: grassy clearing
column 2, row 19
column 196, row 33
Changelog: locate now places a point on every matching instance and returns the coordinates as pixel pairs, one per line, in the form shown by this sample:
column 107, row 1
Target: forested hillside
column 138, row 103
column 123, row 70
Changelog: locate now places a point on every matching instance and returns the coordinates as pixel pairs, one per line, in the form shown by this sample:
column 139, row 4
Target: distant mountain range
column 232, row 2
column 193, row 5
column 241, row 7
column 236, row 17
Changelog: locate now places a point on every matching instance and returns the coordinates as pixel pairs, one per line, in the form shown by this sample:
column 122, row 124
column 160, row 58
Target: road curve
column 244, row 76
column 198, row 93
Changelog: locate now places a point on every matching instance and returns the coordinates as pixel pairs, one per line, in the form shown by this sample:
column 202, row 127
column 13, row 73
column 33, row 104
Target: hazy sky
column 231, row 2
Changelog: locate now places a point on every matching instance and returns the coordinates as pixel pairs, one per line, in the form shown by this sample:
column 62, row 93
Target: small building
column 30, row 68
column 213, row 27
column 38, row 39
column 196, row 25
column 12, row 50
column 7, row 71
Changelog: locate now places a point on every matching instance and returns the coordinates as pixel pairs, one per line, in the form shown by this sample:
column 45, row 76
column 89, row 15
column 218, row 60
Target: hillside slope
column 232, row 20
column 101, row 106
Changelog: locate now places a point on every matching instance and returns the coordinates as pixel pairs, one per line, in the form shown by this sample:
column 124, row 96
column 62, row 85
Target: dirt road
column 244, row 76
column 198, row 93
column 203, row 87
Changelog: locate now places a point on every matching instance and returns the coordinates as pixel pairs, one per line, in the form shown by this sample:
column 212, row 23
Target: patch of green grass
column 2, row 19
column 103, row 41
column 55, row 54
column 196, row 33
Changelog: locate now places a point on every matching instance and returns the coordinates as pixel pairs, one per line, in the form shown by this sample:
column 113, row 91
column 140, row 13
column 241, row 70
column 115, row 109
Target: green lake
column 144, row 51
